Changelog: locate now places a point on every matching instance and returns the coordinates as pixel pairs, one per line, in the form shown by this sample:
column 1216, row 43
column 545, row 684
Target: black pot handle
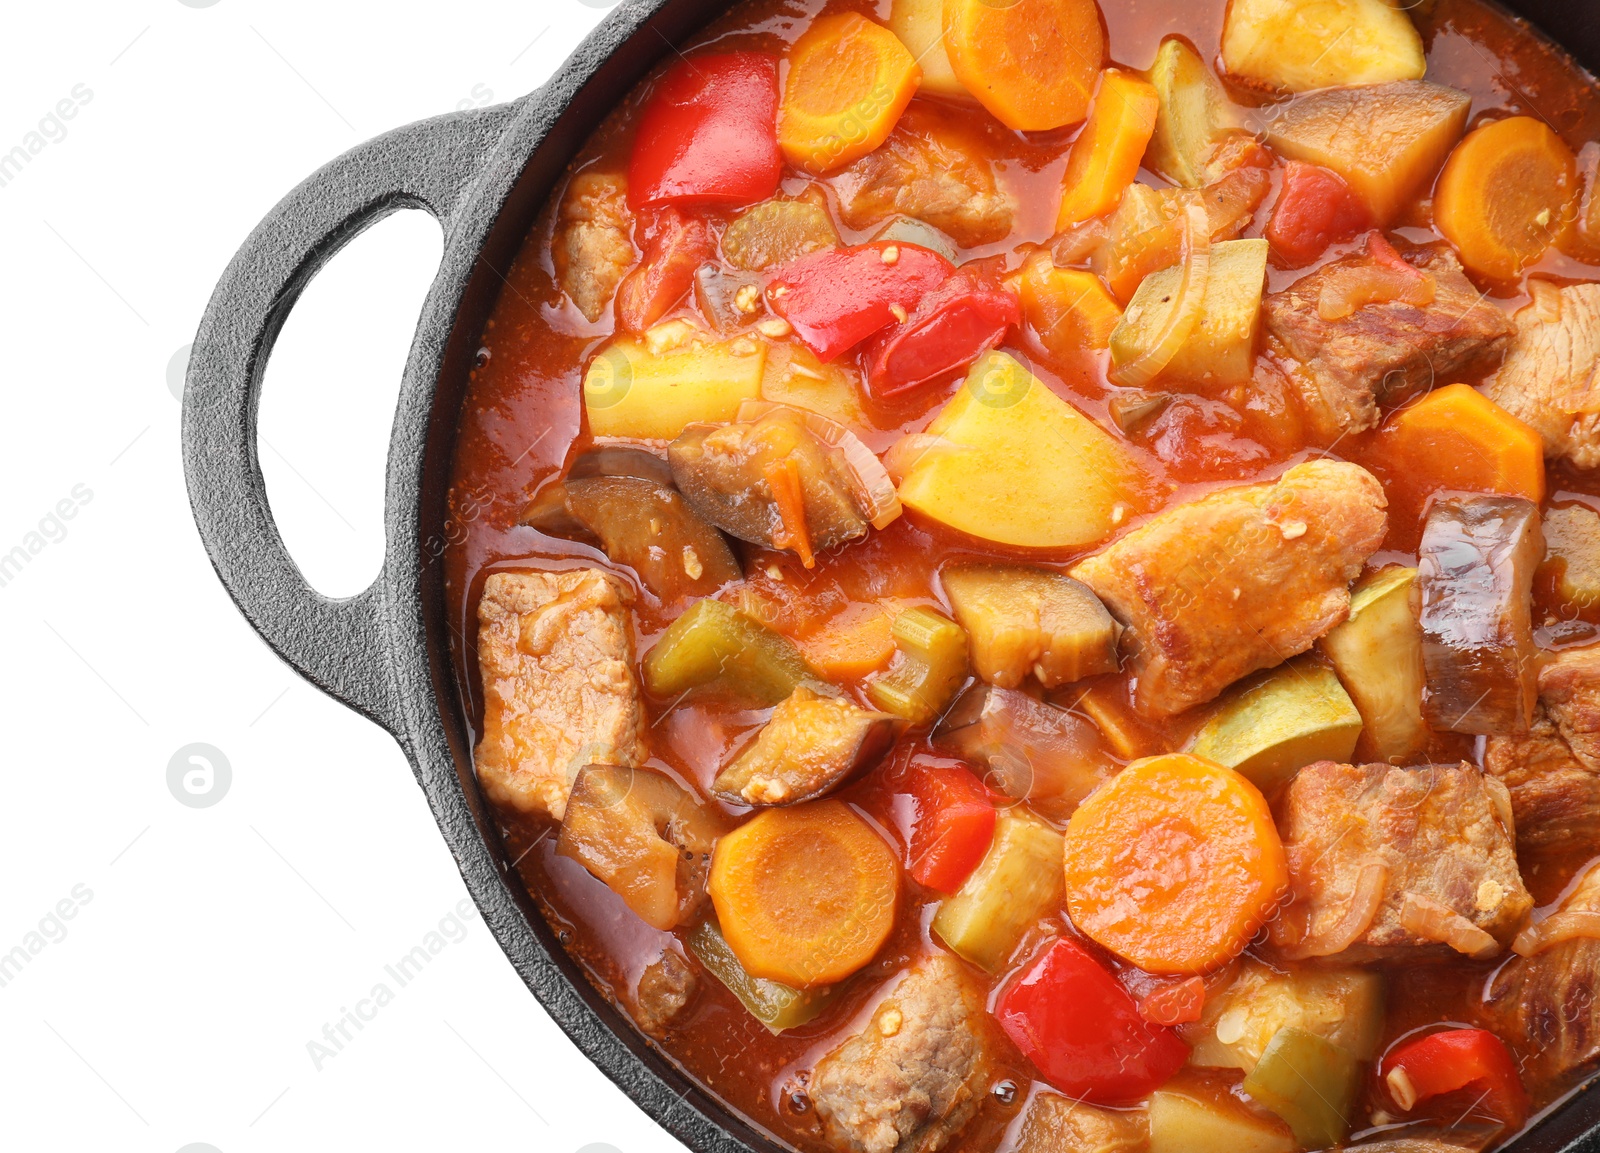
column 339, row 645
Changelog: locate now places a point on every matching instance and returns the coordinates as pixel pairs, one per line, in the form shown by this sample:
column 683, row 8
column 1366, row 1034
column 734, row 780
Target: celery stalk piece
column 930, row 667
column 1310, row 1082
column 774, row 1004
column 714, row 645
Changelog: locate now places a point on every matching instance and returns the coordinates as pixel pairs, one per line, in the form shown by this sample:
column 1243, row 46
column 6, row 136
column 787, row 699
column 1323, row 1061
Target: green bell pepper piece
column 1310, row 1082
column 715, row 645
column 774, row 1004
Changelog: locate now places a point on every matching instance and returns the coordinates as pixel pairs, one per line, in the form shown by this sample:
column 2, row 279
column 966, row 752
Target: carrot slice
column 1455, row 439
column 1174, row 864
column 805, row 895
column 1507, row 193
column 1106, row 156
column 1069, row 309
column 783, row 477
column 849, row 81
column 853, row 644
column 1032, row 63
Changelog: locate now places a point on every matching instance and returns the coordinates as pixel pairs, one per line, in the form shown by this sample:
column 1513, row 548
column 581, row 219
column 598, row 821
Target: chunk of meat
column 1240, row 580
column 1551, row 375
column 556, row 653
column 1383, row 352
column 932, row 171
column 664, row 988
column 916, row 1074
column 1553, row 770
column 1548, row 1004
column 1384, row 860
column 1057, row 1124
column 593, row 246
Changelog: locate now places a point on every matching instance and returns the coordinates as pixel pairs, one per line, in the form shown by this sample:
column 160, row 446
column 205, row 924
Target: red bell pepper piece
column 1176, row 1003
column 1083, row 1030
column 1316, row 209
column 838, row 297
column 954, row 826
column 676, row 245
column 950, row 328
column 1472, row 1059
column 709, row 133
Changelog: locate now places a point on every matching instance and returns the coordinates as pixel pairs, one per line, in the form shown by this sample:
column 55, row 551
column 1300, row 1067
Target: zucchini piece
column 927, row 671
column 776, row 232
column 774, row 1004
column 1194, row 115
column 653, row 387
column 1222, row 348
column 1344, row 1006
column 1572, row 558
column 1271, row 729
column 1378, row 655
column 1310, row 1082
column 1184, row 1120
column 1018, row 881
column 811, row 745
column 1022, row 619
column 714, row 646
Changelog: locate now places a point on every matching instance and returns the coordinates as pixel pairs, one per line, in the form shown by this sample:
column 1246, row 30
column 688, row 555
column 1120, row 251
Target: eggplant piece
column 622, row 501
column 1476, row 567
column 1271, row 729
column 1028, row 750
column 1018, row 881
column 1378, row 655
column 774, row 1004
column 646, row 838
column 928, row 668
column 910, row 230
column 729, row 300
column 774, row 480
column 1022, row 619
column 717, row 648
column 810, row 746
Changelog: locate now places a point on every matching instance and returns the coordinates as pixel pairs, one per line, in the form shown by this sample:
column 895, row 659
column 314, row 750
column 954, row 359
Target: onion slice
column 1558, row 927
column 1433, row 922
column 1357, row 917
column 1187, row 305
column 914, row 448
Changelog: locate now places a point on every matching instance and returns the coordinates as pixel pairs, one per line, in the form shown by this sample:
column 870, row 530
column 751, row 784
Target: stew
column 1027, row 574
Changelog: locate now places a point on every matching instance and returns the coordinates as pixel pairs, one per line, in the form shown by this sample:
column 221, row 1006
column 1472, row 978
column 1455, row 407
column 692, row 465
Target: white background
column 207, row 947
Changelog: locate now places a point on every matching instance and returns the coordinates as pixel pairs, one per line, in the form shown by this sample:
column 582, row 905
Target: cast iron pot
column 484, row 175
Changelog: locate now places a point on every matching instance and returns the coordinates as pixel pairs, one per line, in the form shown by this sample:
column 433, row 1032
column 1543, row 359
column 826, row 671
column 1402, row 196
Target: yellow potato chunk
column 998, row 428
column 654, row 386
column 1386, row 140
column 920, row 26
column 1306, row 44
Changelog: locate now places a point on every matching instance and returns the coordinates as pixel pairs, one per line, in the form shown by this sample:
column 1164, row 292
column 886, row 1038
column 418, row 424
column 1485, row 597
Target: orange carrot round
column 1174, row 864
column 849, row 81
column 853, row 644
column 805, row 895
column 1033, row 63
column 1506, row 195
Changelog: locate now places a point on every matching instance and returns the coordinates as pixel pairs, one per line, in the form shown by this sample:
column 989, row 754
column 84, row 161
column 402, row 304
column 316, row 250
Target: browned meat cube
column 1240, row 580
column 1553, row 771
column 1383, row 861
column 1383, row 352
column 1546, row 1002
column 1551, row 377
column 665, row 988
column 932, row 171
column 915, row 1075
column 1475, row 570
column 556, row 653
column 593, row 246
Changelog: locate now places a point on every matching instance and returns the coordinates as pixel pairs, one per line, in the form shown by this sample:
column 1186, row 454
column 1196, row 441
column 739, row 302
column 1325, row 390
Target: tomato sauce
column 522, row 422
